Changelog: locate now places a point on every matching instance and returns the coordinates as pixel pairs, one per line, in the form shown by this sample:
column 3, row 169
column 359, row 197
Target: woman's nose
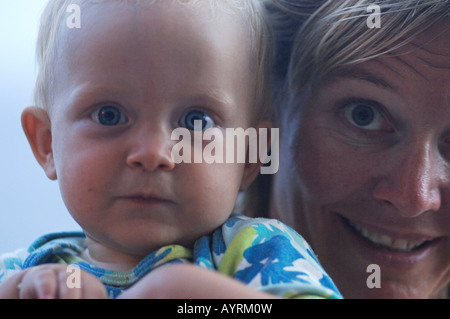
column 150, row 150
column 412, row 184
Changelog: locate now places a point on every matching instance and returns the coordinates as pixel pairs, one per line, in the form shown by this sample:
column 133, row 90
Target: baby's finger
column 47, row 284
column 40, row 283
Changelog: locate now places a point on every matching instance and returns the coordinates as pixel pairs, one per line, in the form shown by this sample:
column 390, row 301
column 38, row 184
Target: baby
column 111, row 89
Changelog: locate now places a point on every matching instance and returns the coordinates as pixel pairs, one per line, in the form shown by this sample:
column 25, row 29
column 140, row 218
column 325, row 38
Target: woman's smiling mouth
column 386, row 248
column 385, row 241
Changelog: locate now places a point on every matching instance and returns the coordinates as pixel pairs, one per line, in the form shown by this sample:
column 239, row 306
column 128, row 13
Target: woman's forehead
column 434, row 46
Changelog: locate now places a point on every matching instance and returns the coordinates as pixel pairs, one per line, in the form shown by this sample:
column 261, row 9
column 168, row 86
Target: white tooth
column 386, row 240
column 365, row 232
column 400, row 244
column 374, row 237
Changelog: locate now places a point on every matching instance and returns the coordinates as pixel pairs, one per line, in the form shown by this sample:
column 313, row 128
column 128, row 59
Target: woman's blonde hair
column 253, row 13
column 333, row 34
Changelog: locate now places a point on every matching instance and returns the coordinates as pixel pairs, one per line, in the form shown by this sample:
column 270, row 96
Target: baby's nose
column 150, row 151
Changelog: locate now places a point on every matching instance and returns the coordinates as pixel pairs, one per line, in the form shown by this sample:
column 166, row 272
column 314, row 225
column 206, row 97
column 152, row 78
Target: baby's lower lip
column 144, row 200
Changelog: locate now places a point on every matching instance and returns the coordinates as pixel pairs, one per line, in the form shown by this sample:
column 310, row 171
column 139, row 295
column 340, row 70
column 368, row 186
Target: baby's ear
column 37, row 128
column 251, row 169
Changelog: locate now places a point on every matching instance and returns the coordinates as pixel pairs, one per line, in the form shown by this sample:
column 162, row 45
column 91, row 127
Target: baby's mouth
column 385, row 241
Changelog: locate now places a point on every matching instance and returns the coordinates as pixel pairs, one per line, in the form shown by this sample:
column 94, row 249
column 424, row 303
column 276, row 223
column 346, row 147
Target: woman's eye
column 109, row 116
column 365, row 116
column 193, row 120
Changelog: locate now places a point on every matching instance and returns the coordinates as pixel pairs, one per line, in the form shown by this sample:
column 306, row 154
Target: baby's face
column 125, row 81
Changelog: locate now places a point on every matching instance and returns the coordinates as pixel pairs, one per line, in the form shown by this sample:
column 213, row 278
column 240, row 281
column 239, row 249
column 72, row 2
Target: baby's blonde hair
column 252, row 11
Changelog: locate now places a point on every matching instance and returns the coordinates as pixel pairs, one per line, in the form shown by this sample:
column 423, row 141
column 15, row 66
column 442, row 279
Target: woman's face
column 365, row 172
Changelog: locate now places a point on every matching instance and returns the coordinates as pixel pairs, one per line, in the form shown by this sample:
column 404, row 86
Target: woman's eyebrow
column 364, row 75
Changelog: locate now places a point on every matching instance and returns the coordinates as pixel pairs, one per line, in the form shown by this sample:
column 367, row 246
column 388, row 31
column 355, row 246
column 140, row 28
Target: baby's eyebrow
column 216, row 96
column 89, row 90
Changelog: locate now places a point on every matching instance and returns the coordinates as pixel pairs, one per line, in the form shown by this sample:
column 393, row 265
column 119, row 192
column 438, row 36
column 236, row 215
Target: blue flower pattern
column 269, row 262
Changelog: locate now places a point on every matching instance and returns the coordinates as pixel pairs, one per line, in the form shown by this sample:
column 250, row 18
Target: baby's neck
column 107, row 258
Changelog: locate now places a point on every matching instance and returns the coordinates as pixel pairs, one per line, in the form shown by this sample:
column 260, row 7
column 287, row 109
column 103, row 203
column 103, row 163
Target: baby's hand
column 50, row 282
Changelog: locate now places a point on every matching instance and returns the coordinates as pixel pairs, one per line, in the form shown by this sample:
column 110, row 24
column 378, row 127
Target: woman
column 364, row 114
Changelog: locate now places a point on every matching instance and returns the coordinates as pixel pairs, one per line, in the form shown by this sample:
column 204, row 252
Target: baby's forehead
column 106, row 29
column 89, row 16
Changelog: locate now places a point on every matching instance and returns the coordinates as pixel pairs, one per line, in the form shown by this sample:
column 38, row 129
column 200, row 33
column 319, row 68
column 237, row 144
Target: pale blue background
column 30, row 203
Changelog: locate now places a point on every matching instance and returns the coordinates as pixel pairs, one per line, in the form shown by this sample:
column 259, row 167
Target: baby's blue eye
column 109, row 116
column 188, row 120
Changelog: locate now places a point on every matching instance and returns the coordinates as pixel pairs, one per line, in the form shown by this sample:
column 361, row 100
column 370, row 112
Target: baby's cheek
column 216, row 187
column 79, row 184
column 75, row 194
